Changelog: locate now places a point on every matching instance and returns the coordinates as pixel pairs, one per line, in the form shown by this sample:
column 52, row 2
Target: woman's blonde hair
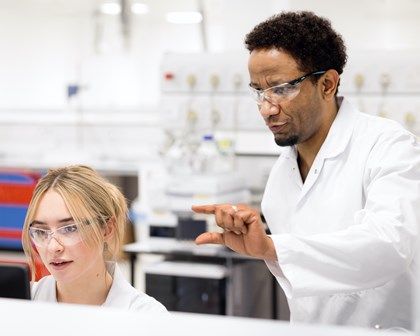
column 93, row 203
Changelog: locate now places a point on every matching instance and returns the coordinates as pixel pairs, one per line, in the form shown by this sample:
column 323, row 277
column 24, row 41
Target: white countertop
column 19, row 317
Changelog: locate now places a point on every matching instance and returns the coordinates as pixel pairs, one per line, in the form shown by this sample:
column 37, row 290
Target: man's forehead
column 272, row 62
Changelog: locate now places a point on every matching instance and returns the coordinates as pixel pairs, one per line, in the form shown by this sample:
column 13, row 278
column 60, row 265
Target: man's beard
column 293, row 140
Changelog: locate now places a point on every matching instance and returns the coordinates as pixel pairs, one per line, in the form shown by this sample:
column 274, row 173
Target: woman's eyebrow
column 37, row 222
column 64, row 220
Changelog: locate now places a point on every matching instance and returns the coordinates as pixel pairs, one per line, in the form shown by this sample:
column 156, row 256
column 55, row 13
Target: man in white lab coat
column 342, row 201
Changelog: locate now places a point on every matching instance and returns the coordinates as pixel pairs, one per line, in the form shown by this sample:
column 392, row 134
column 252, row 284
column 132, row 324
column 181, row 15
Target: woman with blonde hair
column 75, row 223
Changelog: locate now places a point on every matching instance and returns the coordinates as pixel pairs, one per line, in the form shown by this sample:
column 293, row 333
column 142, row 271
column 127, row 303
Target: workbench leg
column 229, row 289
column 133, row 260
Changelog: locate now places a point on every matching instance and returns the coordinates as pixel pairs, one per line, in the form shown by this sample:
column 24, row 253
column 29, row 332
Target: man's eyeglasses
column 66, row 235
column 281, row 92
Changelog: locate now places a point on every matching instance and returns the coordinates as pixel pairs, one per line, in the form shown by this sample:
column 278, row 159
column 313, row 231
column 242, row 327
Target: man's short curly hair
column 308, row 38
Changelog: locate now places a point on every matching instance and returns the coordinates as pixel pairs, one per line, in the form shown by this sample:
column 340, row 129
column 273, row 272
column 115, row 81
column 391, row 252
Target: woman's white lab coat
column 121, row 294
column 346, row 238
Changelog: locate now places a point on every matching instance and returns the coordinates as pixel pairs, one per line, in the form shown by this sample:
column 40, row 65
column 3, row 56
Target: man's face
column 295, row 115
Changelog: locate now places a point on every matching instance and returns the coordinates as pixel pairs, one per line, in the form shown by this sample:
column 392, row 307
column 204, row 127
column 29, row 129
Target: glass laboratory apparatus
column 208, row 158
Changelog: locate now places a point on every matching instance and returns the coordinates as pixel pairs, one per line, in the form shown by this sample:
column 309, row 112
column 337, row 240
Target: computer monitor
column 15, row 281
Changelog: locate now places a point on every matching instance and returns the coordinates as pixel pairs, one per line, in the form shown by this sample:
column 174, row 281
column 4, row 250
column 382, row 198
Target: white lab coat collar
column 118, row 295
column 341, row 130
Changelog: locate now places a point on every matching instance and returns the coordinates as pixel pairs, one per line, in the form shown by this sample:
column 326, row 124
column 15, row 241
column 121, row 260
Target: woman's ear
column 329, row 84
column 109, row 229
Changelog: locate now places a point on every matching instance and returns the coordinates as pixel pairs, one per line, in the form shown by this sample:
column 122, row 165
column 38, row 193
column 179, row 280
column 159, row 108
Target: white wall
column 46, row 48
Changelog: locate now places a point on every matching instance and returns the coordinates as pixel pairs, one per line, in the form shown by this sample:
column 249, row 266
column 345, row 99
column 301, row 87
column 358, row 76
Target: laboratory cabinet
column 188, row 294
column 207, row 279
column 213, row 286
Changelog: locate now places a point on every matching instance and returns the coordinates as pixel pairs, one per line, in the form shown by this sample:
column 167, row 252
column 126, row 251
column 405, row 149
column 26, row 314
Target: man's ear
column 109, row 229
column 329, row 84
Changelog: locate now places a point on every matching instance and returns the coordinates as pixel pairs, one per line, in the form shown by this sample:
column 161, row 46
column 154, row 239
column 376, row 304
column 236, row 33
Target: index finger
column 206, row 209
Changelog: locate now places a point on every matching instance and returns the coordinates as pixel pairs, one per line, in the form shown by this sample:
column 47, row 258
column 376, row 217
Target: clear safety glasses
column 281, row 92
column 66, row 235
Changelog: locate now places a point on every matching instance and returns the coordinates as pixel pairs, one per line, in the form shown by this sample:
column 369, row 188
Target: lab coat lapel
column 335, row 143
column 292, row 166
column 313, row 174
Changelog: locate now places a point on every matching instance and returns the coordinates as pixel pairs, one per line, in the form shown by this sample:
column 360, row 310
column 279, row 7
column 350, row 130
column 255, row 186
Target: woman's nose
column 54, row 244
